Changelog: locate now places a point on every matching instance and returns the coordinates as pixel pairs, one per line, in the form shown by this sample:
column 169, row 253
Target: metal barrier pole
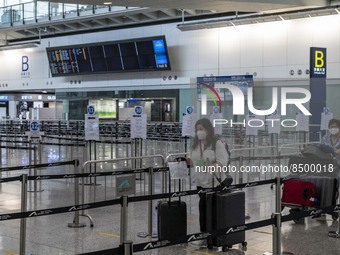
column 126, row 149
column 35, row 187
column 95, row 165
column 123, row 219
column 240, row 180
column 277, row 228
column 35, row 162
column 30, row 161
column 126, row 248
column 40, row 152
column 336, row 234
column 23, row 209
column 76, row 223
column 151, row 188
column 90, row 153
column 0, row 151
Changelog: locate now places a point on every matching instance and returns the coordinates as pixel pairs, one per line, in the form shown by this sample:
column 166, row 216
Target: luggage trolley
column 311, row 184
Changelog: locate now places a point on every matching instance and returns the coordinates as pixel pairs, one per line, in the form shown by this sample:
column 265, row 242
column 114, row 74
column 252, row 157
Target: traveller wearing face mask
column 203, row 155
column 332, row 138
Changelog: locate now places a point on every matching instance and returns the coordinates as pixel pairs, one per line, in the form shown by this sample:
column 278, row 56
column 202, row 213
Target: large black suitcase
column 172, row 219
column 225, row 210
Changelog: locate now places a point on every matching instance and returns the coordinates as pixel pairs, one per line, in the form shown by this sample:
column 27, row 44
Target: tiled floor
column 49, row 235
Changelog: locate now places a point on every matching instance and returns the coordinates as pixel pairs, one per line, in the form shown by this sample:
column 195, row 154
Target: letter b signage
column 318, row 62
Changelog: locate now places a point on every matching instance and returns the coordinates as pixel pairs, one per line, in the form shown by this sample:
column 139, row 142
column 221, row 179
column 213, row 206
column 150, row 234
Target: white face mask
column 201, row 134
column 334, row 131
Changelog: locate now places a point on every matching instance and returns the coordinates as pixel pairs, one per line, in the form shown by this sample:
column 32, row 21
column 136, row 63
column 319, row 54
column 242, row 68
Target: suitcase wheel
column 226, row 248
column 297, row 221
column 292, row 211
column 335, row 215
column 244, row 246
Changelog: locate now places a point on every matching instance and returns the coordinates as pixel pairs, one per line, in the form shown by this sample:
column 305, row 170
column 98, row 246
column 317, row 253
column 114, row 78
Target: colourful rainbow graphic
column 210, row 93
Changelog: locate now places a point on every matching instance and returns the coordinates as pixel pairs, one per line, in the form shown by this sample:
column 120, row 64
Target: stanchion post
column 277, row 215
column 150, row 208
column 30, row 163
column 126, row 248
column 23, row 209
column 240, row 178
column 75, row 223
column 336, row 234
column 123, row 219
column 0, row 150
column 35, row 170
column 83, row 199
column 95, row 158
column 111, row 146
column 90, row 155
column 40, row 152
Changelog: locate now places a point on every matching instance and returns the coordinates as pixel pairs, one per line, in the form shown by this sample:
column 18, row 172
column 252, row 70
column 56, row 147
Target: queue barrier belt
column 219, row 232
column 164, row 243
column 16, row 147
column 64, row 144
column 74, row 162
column 65, row 209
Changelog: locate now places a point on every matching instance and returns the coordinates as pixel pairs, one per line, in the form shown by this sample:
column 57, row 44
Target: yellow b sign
column 318, row 62
column 319, row 59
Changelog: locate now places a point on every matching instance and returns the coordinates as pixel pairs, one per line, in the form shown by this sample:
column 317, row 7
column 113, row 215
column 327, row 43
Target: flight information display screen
column 144, row 54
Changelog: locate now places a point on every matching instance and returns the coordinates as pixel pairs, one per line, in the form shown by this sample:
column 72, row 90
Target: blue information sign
column 189, row 110
column 138, row 110
column 90, row 109
column 34, row 126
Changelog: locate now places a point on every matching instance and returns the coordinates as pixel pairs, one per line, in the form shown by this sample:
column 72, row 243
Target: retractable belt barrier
column 64, row 138
column 16, row 147
column 10, row 179
column 80, row 140
column 113, row 173
column 69, row 176
column 80, row 207
column 74, row 162
column 17, row 135
column 160, row 243
column 219, row 232
column 10, row 141
column 64, row 144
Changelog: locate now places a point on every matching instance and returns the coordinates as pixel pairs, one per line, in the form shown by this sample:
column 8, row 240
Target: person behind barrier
column 203, row 156
column 332, row 138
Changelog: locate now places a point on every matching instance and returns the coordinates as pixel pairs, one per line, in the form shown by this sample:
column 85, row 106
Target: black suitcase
column 225, row 210
column 172, row 219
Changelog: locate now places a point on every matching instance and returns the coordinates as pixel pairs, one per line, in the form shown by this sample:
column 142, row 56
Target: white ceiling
column 150, row 12
column 215, row 5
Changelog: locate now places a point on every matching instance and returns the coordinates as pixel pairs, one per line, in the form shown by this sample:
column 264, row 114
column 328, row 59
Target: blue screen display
column 160, row 53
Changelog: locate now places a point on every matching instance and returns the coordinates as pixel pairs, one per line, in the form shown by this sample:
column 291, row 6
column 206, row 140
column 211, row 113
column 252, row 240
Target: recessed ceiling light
column 107, row 3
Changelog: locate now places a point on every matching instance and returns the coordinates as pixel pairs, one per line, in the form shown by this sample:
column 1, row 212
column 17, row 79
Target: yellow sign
column 319, row 59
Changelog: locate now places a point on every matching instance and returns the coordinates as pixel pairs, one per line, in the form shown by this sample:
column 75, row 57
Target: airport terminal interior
column 99, row 102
